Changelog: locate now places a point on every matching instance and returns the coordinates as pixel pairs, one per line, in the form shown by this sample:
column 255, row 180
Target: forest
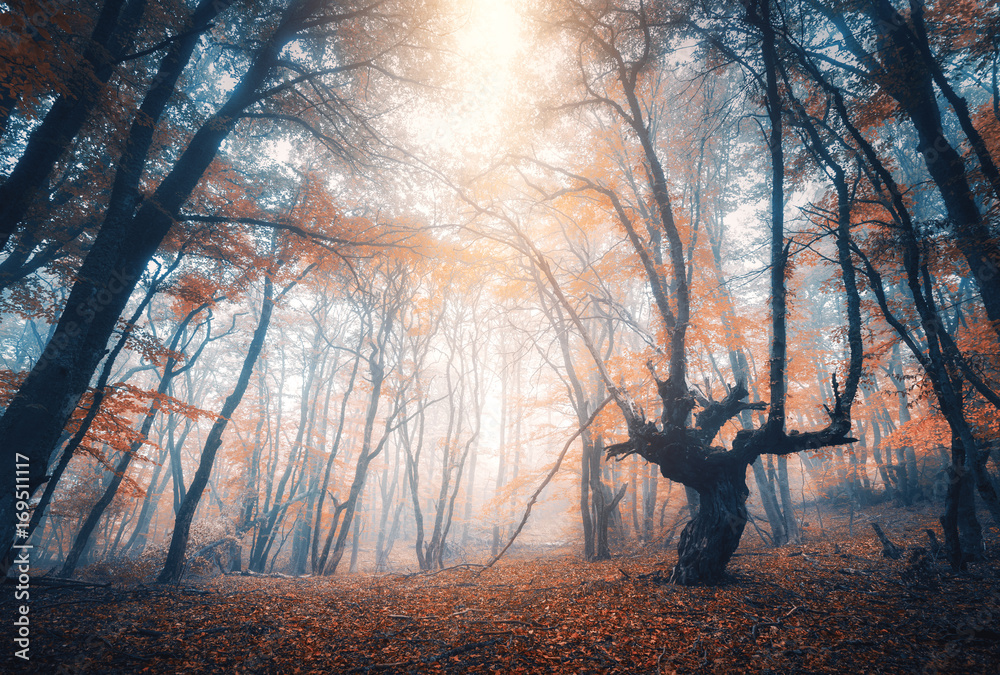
column 563, row 336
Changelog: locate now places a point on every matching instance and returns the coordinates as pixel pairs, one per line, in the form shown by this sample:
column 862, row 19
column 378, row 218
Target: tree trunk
column 650, row 485
column 37, row 413
column 137, row 540
column 355, row 545
column 377, row 360
column 787, row 506
column 602, row 503
column 710, row 539
column 585, row 511
column 173, row 567
column 169, row 372
column 779, row 534
column 908, row 80
column 316, row 560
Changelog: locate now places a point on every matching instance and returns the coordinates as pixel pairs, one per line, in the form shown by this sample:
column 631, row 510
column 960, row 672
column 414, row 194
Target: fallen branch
column 889, row 550
column 453, row 567
column 764, row 537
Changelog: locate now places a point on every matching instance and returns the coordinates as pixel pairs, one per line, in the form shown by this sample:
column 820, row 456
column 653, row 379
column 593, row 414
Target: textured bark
column 708, row 542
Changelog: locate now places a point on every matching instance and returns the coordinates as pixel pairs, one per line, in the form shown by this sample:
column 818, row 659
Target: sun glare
column 492, row 35
column 483, row 80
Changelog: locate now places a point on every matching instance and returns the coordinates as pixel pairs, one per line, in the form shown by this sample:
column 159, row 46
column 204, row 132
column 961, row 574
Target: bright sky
column 482, row 81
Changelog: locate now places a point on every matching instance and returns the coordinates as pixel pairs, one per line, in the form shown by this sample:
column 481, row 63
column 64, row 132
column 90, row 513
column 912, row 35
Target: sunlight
column 478, row 112
column 492, row 35
column 500, row 336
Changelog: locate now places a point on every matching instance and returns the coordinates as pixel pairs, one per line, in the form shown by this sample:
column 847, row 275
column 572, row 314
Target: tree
column 133, row 229
column 173, row 567
column 622, row 41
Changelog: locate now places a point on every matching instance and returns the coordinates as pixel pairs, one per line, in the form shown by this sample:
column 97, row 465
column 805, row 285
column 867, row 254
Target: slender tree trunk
column 377, row 367
column 173, row 567
column 649, row 490
column 355, row 544
column 775, row 517
column 502, row 452
column 94, row 517
column 318, row 561
column 137, row 540
column 787, row 506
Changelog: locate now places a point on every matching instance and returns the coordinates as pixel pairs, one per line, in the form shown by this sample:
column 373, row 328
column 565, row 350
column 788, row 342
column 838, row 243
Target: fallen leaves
column 809, row 612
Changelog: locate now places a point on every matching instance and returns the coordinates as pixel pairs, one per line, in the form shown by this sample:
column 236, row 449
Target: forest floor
column 832, row 604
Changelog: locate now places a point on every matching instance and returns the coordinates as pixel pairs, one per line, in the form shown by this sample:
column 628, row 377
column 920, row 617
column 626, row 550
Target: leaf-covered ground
column 832, row 604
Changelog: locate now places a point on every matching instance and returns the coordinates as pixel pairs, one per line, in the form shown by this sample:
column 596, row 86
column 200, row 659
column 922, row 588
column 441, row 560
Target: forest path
column 829, row 605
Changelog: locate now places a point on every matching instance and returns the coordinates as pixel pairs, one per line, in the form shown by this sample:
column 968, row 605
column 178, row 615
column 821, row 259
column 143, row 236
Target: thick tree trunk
column 113, row 33
column 693, row 499
column 710, row 539
column 949, row 522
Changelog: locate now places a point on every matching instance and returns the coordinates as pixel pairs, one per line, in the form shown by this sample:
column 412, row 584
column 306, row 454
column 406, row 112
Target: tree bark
column 173, row 567
column 708, row 542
